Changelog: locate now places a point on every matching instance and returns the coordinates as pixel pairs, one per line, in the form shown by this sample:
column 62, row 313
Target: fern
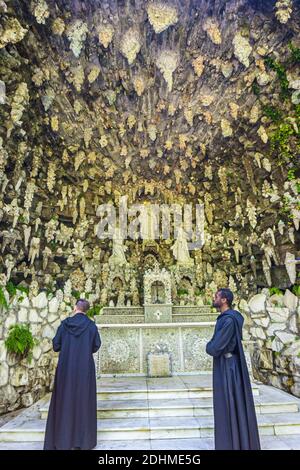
column 20, row 341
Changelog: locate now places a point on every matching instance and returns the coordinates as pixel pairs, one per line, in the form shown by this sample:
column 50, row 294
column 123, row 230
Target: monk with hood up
column 72, row 417
column 234, row 411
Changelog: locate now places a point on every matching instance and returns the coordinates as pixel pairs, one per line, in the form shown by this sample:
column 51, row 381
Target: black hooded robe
column 234, row 411
column 72, row 417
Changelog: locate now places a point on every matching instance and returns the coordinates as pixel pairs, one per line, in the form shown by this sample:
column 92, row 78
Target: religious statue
column 121, row 299
column 180, row 249
column 104, row 296
column 118, row 255
column 149, row 223
column 135, row 292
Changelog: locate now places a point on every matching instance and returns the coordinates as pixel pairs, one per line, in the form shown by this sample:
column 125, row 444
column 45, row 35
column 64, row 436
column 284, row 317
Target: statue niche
column 185, row 291
column 150, row 261
column 158, row 293
column 117, row 291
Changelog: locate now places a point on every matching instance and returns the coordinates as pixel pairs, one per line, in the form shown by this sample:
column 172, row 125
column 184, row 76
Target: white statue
column 149, row 222
column 46, row 255
column 121, row 299
column 34, row 249
column 180, row 249
column 118, row 255
column 104, row 296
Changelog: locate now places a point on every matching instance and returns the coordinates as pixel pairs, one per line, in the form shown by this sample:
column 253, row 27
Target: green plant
column 279, row 140
column 23, row 289
column 275, row 290
column 295, row 53
column 273, row 113
column 281, row 74
column 255, row 88
column 76, row 294
column 95, row 310
column 20, row 341
column 11, row 288
column 296, row 290
column 53, row 245
column 291, row 174
column 182, row 291
column 199, row 292
column 3, row 301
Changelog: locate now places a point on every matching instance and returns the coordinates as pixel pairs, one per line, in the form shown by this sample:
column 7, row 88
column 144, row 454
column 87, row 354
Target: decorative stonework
column 118, row 351
column 159, row 364
column 198, row 348
column 157, row 275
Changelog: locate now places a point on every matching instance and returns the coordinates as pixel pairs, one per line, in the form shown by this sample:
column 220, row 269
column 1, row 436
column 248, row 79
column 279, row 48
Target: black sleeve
column 57, row 339
column 96, row 341
column 222, row 338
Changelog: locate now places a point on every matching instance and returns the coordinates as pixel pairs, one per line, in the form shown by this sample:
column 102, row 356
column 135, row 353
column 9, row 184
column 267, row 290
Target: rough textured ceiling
column 127, row 114
column 150, row 99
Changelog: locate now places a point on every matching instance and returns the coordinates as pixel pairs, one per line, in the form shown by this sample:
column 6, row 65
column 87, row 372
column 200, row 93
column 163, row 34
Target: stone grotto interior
column 168, row 103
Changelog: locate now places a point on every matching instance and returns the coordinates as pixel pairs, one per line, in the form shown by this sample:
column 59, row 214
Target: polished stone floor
column 176, row 413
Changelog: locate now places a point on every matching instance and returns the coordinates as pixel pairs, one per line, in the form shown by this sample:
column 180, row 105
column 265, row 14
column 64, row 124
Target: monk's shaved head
column 82, row 305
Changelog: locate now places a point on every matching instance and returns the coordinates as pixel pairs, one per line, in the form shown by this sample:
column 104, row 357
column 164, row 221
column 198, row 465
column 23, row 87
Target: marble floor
column 176, row 413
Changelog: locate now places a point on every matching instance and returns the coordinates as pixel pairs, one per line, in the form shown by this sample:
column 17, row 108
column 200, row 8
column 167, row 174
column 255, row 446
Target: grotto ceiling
column 186, row 101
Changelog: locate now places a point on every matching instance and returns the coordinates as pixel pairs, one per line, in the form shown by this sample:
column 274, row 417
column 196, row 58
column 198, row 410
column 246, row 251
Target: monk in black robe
column 234, row 411
column 72, row 417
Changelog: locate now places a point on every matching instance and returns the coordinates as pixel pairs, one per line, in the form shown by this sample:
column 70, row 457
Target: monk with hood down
column 234, row 411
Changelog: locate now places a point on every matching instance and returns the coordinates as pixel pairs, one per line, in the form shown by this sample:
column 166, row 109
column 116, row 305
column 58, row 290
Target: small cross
column 158, row 314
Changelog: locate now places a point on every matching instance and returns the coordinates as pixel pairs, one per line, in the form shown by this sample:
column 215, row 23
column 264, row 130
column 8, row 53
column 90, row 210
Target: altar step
column 282, row 442
column 156, row 410
column 177, row 408
column 176, row 318
column 32, row 430
column 135, row 315
column 164, row 388
column 180, row 399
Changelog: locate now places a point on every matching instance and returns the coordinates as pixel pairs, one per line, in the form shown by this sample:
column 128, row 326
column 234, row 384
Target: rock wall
column 273, row 324
column 22, row 382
